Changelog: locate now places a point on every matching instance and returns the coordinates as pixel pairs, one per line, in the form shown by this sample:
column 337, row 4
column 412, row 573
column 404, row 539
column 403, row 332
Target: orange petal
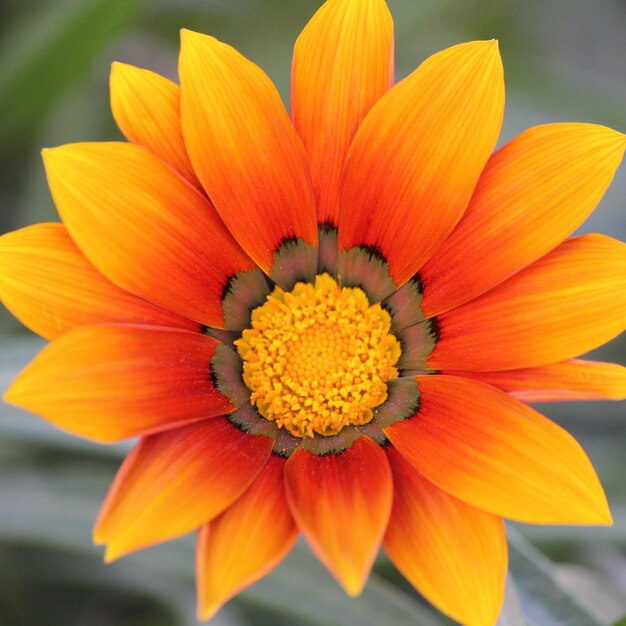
column 174, row 482
column 244, row 149
column 341, row 503
column 144, row 227
column 454, row 554
column 146, row 107
column 416, row 157
column 245, row 542
column 533, row 193
column 568, row 380
column 566, row 303
column 495, row 453
column 49, row 285
column 111, row 382
column 342, row 64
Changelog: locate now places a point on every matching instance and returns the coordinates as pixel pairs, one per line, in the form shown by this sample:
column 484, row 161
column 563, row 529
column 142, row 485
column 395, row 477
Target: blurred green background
column 564, row 60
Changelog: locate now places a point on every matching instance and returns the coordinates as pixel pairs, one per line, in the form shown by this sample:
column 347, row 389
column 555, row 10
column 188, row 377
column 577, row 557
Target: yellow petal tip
column 97, row 536
column 489, row 45
column 187, row 35
column 620, row 139
column 483, row 54
column 13, row 393
column 118, row 68
column 353, row 586
column 598, row 513
column 208, row 611
column 609, row 137
column 112, row 553
column 7, row 396
column 605, row 518
column 123, row 74
column 191, row 38
column 492, row 46
column 353, row 593
column 73, row 153
column 48, row 154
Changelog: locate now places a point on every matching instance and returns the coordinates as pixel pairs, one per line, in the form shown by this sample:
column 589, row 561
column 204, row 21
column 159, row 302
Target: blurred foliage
column 57, row 45
column 563, row 61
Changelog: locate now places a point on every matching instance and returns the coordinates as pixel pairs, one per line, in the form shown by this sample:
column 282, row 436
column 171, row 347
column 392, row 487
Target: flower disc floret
column 318, row 358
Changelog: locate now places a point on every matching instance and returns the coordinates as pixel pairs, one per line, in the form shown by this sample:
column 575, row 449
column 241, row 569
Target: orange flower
column 326, row 323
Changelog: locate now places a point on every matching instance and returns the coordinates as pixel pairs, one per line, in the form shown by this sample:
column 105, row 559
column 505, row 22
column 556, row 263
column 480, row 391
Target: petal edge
column 499, row 455
column 244, row 149
column 451, row 552
column 415, row 159
column 174, row 482
column 342, row 503
column 108, row 383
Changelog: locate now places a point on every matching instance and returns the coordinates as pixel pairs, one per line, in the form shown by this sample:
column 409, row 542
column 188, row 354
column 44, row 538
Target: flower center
column 318, row 357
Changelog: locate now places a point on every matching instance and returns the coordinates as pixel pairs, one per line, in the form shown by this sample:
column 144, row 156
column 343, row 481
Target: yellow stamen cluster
column 317, row 358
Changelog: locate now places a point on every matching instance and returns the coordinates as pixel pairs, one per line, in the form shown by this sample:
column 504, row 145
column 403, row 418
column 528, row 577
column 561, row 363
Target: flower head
column 327, row 323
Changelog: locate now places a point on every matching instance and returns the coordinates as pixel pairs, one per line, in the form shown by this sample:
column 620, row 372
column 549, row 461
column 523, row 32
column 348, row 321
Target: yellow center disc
column 318, row 358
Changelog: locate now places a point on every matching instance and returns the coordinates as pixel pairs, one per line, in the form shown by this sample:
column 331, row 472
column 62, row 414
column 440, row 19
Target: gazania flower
column 327, row 324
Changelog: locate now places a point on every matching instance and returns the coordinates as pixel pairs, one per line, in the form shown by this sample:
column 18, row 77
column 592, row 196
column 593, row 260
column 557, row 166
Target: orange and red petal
column 146, row 107
column 415, row 159
column 246, row 541
column 144, row 227
column 495, row 453
column 568, row 302
column 342, row 64
column 111, row 382
column 568, row 380
column 49, row 285
column 454, row 554
column 341, row 502
column 176, row 481
column 533, row 193
column 244, row 149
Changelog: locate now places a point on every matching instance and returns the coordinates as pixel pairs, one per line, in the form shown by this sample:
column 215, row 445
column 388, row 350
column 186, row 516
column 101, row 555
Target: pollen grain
column 317, row 358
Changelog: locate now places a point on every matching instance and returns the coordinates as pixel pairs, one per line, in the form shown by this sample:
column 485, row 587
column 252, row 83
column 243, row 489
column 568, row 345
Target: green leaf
column 544, row 601
column 50, row 51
